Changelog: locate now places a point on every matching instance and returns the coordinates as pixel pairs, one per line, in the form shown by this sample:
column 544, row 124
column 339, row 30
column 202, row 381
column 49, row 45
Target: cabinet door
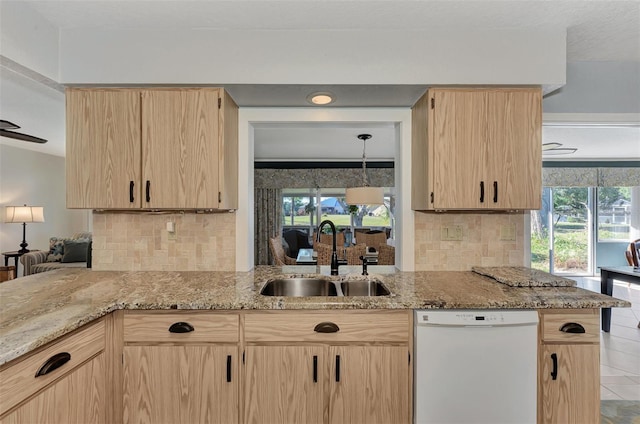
column 180, row 148
column 103, row 149
column 514, row 156
column 459, row 149
column 77, row 398
column 369, row 384
column 284, row 384
column 180, row 384
column 574, row 395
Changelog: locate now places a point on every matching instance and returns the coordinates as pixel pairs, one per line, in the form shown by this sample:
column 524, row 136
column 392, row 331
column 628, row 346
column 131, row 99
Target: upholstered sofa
column 78, row 255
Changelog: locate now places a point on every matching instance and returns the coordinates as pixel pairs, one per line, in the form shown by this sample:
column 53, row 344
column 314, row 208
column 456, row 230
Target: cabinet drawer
column 19, row 381
column 352, row 326
column 552, row 324
column 206, row 327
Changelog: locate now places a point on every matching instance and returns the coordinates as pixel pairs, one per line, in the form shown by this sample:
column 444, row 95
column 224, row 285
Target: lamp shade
column 364, row 196
column 20, row 214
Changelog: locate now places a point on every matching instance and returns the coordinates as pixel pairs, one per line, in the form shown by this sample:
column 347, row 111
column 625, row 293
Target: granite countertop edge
column 31, row 316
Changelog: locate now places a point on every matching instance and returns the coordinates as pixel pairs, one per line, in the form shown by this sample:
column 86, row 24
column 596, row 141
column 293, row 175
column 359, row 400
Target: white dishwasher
column 475, row 366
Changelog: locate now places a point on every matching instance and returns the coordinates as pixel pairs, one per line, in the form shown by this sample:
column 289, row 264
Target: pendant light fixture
column 364, row 195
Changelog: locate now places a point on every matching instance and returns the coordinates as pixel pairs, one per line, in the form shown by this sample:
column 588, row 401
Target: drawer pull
column 554, row 371
column 53, row 363
column 326, row 327
column 572, row 327
column 181, row 327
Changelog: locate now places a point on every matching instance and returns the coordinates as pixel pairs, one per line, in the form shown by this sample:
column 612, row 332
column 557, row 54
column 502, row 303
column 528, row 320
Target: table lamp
column 22, row 215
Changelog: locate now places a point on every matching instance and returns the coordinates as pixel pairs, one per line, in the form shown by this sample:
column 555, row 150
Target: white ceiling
column 596, row 31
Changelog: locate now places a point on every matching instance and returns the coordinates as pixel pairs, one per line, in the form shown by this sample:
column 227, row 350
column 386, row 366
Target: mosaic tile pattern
column 481, row 244
column 140, row 242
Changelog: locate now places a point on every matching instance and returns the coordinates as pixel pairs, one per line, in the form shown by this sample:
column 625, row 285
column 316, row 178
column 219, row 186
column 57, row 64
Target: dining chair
column 279, row 256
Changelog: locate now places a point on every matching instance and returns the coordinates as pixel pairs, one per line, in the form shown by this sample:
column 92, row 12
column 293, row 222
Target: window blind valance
column 591, row 177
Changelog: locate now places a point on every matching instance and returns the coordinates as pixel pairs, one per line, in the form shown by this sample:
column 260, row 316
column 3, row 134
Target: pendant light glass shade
column 364, row 195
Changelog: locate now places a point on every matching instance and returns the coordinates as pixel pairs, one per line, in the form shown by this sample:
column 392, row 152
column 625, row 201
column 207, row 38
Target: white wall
column 35, row 179
column 517, row 56
column 597, row 87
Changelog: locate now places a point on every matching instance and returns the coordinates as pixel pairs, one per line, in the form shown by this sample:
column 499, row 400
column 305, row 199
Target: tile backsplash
column 481, row 243
column 141, row 242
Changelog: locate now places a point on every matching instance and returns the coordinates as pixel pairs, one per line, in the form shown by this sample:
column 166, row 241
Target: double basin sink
column 302, row 287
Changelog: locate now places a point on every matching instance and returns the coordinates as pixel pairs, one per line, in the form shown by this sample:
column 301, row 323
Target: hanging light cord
column 364, row 163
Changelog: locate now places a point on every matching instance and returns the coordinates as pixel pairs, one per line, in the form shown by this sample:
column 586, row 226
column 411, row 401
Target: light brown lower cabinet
column 180, row 367
column 62, row 382
column 180, row 384
column 77, row 398
column 346, row 367
column 569, row 367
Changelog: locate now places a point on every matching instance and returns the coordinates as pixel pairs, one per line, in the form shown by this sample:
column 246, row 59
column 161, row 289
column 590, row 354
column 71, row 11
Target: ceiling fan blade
column 20, row 136
column 6, row 125
column 550, row 146
column 560, row 151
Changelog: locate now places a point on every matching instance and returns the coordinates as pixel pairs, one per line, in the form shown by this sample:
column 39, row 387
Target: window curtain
column 268, row 222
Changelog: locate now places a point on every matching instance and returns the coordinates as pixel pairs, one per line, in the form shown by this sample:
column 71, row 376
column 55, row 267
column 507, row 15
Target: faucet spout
column 334, row 253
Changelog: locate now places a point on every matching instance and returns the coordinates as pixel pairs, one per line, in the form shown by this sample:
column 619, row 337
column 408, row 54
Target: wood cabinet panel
column 19, row 380
column 103, row 148
column 280, row 385
column 477, row 148
column 574, row 395
column 208, row 327
column 78, row 398
column 180, row 132
column 180, row 384
column 459, row 146
column 514, row 132
column 354, row 326
column 551, row 324
column 152, row 148
column 372, row 385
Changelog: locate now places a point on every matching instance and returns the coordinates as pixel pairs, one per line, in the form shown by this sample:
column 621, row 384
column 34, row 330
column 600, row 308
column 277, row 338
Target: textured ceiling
column 596, row 30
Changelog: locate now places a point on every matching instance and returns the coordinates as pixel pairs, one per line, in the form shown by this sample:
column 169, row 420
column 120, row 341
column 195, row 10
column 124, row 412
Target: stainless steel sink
column 364, row 288
column 301, row 287
column 298, row 287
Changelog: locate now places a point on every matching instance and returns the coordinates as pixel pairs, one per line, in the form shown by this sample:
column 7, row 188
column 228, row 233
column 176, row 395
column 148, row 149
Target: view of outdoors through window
column 302, row 210
column 562, row 240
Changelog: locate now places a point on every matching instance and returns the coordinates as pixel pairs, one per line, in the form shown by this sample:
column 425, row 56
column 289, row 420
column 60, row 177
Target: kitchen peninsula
column 38, row 310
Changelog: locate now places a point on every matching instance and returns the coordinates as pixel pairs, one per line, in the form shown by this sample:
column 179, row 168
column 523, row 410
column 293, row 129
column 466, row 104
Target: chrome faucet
column 334, row 254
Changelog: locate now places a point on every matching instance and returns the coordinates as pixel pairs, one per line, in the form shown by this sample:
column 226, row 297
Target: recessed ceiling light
column 321, row 98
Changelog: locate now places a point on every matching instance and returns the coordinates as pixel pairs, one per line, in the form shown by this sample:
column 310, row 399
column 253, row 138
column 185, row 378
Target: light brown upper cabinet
column 157, row 148
column 477, row 148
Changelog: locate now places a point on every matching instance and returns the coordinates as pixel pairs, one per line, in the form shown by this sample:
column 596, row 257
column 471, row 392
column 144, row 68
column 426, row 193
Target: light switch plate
column 508, row 232
column 451, row 233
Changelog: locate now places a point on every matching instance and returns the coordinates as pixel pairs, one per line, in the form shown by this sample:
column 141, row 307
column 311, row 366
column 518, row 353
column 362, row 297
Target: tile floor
column 620, row 348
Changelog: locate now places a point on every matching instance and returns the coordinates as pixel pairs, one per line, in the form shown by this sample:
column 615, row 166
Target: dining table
column 628, row 274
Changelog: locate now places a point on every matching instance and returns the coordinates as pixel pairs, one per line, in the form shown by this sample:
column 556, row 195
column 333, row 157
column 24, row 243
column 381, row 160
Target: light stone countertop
column 37, row 309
